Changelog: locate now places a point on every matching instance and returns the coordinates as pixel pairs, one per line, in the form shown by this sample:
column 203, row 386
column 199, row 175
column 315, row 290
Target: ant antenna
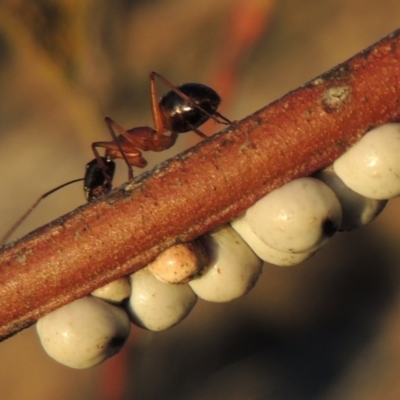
column 7, row 235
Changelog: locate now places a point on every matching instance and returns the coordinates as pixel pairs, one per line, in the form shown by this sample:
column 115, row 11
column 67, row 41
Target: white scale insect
column 313, row 209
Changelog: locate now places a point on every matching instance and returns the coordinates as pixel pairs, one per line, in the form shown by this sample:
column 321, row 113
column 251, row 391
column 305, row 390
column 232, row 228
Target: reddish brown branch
column 200, row 189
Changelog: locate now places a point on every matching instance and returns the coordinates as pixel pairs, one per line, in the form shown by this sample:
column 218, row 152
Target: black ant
column 182, row 109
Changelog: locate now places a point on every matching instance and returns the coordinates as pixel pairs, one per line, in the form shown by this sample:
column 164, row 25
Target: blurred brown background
column 328, row 329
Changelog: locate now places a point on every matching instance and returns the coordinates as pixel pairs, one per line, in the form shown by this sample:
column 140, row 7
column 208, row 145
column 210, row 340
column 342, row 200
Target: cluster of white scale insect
column 285, row 227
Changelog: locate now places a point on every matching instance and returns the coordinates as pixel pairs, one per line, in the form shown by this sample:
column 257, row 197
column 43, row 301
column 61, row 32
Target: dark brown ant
column 182, row 109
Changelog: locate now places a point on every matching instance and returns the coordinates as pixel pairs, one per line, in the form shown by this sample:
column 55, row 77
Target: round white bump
column 114, row 292
column 179, row 263
column 265, row 252
column 84, row 333
column 299, row 217
column 233, row 268
column 357, row 210
column 372, row 166
column 155, row 305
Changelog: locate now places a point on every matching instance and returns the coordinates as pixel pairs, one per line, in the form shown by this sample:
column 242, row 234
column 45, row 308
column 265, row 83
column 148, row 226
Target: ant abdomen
column 181, row 116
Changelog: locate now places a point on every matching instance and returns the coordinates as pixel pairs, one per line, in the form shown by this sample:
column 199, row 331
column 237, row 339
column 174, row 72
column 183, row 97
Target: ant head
column 97, row 180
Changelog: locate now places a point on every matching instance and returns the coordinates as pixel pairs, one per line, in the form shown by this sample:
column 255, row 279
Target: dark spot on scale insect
column 329, row 227
column 117, row 342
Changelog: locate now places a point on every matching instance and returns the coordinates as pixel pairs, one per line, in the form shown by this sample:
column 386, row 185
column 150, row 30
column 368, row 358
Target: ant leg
column 111, row 124
column 199, row 132
column 155, row 106
column 167, row 83
column 224, row 120
column 159, row 140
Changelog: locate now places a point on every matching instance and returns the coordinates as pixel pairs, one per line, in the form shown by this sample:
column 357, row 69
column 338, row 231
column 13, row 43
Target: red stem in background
column 200, row 189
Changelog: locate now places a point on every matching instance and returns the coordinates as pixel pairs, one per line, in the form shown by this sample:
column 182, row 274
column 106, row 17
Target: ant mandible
column 182, row 109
